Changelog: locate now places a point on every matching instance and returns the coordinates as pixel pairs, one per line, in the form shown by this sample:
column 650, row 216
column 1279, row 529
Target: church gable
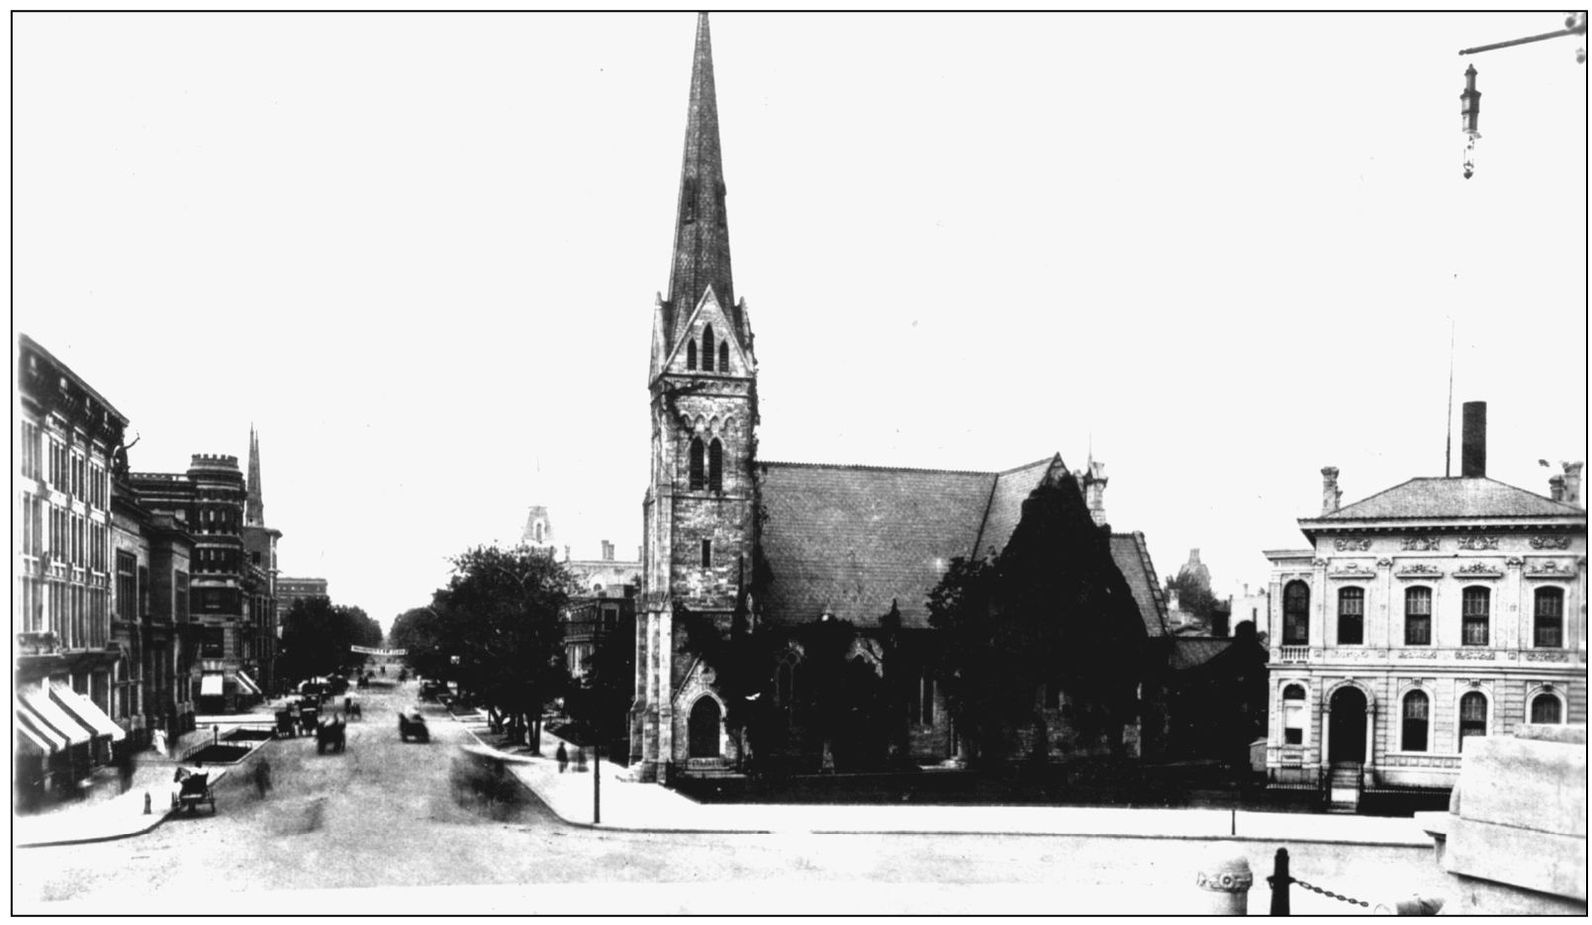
column 707, row 344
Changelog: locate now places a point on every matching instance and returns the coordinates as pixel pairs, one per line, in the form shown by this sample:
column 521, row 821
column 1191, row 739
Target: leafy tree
column 495, row 630
column 602, row 702
column 317, row 636
column 1051, row 610
column 1195, row 597
column 741, row 659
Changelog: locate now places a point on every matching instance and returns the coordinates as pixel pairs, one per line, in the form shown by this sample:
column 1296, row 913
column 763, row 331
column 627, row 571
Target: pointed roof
column 701, row 227
column 1436, row 497
column 254, row 504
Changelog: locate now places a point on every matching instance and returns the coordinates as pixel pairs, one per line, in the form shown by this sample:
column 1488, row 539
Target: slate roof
column 850, row 539
column 1132, row 556
column 1434, row 498
column 1193, row 651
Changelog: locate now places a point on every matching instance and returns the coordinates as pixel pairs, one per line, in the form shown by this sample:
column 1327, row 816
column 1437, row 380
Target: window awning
column 210, row 685
column 84, row 711
column 57, row 721
column 32, row 729
column 247, row 683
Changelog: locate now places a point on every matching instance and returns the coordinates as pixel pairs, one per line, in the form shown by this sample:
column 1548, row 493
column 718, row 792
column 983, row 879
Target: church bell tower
column 700, row 508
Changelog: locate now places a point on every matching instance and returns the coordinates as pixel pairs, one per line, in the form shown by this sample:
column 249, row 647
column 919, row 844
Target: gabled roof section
column 1006, row 498
column 1451, row 498
column 1132, row 556
column 850, row 539
column 701, row 227
column 715, row 314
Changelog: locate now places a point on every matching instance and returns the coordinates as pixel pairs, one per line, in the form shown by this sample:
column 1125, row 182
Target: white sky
column 419, row 253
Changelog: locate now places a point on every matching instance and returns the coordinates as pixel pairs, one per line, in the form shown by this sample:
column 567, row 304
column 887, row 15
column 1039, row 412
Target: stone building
column 605, row 601
column 1433, row 611
column 69, row 670
column 259, row 544
column 228, row 589
column 730, row 538
column 290, row 590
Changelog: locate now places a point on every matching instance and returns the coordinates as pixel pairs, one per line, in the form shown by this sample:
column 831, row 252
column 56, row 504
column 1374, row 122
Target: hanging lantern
column 1470, row 117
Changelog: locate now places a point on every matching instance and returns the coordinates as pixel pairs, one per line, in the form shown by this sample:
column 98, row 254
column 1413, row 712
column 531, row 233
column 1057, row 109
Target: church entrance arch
column 703, row 728
column 1346, row 733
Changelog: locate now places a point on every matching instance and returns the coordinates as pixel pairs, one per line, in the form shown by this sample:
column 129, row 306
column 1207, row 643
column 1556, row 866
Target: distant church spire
column 254, row 503
column 701, row 232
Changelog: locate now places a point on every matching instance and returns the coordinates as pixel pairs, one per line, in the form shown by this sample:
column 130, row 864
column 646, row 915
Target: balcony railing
column 1293, row 653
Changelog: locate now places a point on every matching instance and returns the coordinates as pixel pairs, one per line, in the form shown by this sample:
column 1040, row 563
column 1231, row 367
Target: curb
column 938, row 833
column 92, row 839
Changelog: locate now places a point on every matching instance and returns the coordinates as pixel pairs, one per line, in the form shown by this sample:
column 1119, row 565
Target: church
column 737, row 543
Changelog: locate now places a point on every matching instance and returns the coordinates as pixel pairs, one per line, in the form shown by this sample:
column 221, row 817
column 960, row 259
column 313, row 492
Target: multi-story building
column 604, row 603
column 67, row 665
column 226, row 586
column 1437, row 610
column 259, row 542
column 291, row 590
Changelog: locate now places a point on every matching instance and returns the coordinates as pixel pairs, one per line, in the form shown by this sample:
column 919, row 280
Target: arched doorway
column 704, row 728
column 1346, row 731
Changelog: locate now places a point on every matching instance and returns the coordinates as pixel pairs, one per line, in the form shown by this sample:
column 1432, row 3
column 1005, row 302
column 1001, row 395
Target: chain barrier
column 1328, row 893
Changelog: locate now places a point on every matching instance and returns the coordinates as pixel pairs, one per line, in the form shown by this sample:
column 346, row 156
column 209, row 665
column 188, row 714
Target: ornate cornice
column 1419, row 570
column 1419, row 543
column 1478, row 543
column 1550, row 542
column 1550, row 569
column 1360, row 543
column 1478, row 570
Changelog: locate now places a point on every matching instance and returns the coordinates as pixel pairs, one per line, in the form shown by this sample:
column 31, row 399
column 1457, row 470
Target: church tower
column 699, row 512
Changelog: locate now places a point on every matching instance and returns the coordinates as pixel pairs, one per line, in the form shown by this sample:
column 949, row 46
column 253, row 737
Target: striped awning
column 85, row 712
column 32, row 730
column 61, row 727
column 247, row 683
column 210, row 685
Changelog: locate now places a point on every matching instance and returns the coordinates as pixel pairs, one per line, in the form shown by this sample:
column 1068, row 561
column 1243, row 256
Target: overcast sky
column 420, row 253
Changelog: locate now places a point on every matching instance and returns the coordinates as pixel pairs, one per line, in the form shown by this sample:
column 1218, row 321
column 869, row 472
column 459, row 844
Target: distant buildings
column 1431, row 612
column 291, row 590
column 605, row 604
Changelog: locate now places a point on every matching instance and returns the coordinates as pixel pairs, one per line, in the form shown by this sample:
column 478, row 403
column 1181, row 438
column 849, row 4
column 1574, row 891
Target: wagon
column 195, row 790
column 285, row 727
column 330, row 736
column 411, row 725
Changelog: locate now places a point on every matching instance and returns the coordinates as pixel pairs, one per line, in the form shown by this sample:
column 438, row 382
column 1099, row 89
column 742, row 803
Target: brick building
column 69, row 669
column 1433, row 611
column 731, row 537
column 290, row 590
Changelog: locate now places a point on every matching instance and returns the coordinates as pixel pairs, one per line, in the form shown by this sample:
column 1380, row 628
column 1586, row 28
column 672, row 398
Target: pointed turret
column 254, row 502
column 701, row 226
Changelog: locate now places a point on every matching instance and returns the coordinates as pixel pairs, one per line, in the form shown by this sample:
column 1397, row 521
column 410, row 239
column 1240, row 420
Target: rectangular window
column 928, row 700
column 707, row 553
column 213, row 644
column 1548, row 619
column 180, row 596
column 1293, row 715
column 1351, row 616
column 1418, row 617
column 126, row 585
column 1476, row 608
column 1416, row 720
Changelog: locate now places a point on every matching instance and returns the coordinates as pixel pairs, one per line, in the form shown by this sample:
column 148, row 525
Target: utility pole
column 1470, row 99
column 1574, row 24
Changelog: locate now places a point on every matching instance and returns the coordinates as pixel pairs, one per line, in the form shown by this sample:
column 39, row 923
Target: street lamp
column 1469, row 116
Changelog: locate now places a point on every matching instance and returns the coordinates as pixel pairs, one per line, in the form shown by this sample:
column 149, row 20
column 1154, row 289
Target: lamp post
column 1469, row 116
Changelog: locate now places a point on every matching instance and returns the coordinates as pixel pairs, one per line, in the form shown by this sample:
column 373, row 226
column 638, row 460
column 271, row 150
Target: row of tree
column 495, row 631
column 317, row 637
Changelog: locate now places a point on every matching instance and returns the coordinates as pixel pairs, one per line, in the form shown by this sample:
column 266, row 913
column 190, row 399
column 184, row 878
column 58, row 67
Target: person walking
column 563, row 758
column 262, row 777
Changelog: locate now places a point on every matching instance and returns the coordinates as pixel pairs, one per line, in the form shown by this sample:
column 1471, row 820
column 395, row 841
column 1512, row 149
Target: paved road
column 379, row 829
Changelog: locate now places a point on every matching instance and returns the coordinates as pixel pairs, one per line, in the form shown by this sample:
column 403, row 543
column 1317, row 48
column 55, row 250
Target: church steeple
column 254, row 502
column 701, row 232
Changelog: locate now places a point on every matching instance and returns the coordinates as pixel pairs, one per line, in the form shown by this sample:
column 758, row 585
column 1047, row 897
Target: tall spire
column 701, row 233
column 254, row 503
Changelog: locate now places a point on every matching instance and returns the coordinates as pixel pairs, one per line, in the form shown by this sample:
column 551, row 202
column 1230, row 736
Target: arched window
column 1472, row 716
column 1477, row 612
column 724, row 356
column 1417, row 719
column 1549, row 618
column 716, row 465
column 690, row 354
column 697, row 478
column 707, row 348
column 1418, row 616
column 1296, row 614
column 703, row 728
column 1351, row 616
column 1545, row 708
column 1293, row 715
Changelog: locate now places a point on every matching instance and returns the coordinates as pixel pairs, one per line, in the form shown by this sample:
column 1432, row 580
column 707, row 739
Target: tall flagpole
column 1448, row 450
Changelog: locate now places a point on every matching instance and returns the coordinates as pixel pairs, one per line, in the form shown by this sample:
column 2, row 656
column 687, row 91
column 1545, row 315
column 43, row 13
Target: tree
column 1195, row 597
column 317, row 636
column 1050, row 611
column 495, row 630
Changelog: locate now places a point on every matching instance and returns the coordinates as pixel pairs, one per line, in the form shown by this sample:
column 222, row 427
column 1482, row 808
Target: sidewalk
column 631, row 806
column 121, row 816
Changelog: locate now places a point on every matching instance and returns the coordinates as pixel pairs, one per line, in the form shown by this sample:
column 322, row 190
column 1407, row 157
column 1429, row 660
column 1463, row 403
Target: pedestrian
column 262, row 777
column 563, row 758
column 159, row 742
column 124, row 767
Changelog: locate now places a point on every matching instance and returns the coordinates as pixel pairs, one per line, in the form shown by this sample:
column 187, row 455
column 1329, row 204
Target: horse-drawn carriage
column 195, row 790
column 286, row 724
column 332, row 736
column 411, row 725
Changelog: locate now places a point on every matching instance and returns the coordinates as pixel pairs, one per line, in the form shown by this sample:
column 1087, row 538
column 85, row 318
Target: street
column 384, row 815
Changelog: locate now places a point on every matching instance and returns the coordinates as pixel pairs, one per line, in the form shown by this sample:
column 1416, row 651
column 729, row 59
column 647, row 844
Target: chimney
column 566, row 553
column 1572, row 483
column 1473, row 441
column 608, row 551
column 1330, row 493
column 1556, row 487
